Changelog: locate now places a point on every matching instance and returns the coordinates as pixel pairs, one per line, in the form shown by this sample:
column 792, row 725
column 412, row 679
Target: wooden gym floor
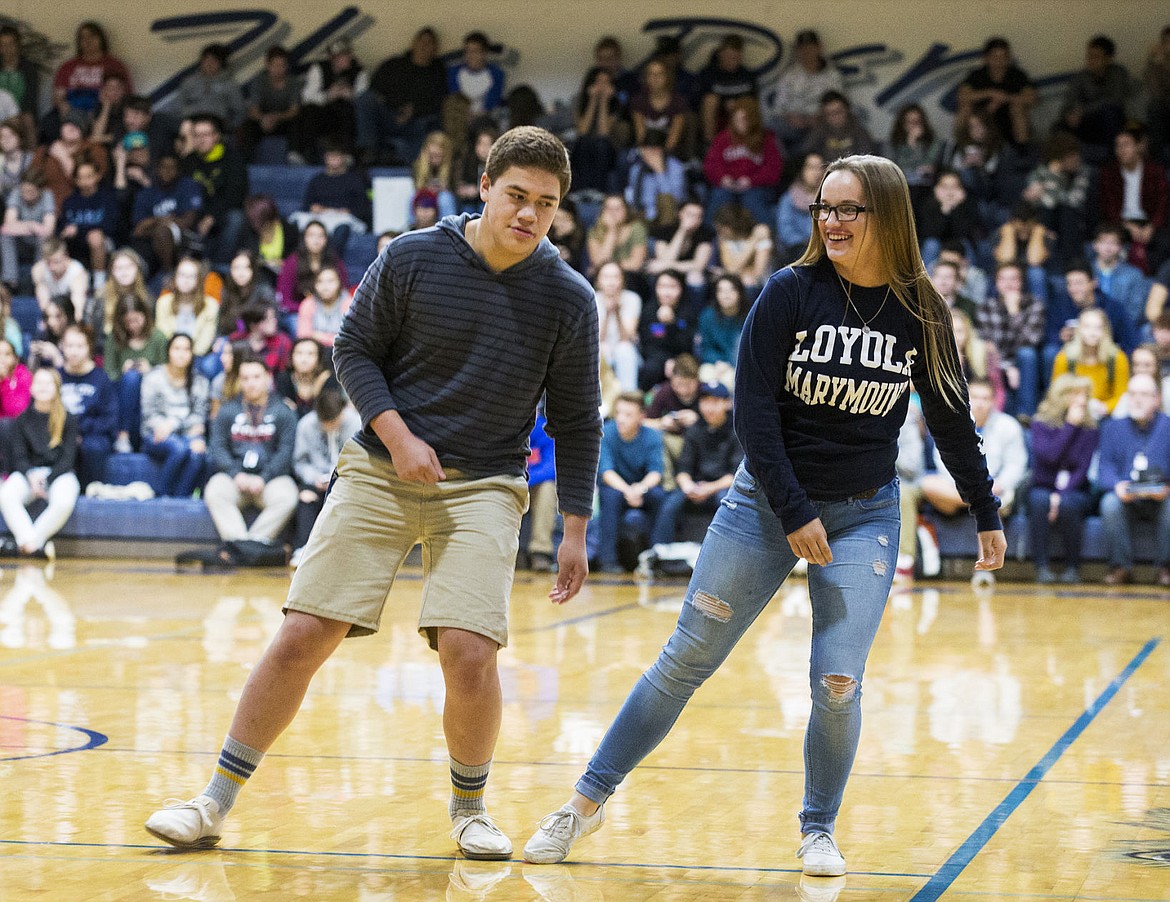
column 1016, row 746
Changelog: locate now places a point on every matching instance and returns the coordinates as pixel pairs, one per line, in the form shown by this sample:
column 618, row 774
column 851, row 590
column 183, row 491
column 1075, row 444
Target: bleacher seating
column 360, row 251
column 272, row 150
column 135, row 529
column 27, row 314
column 286, row 184
column 957, row 539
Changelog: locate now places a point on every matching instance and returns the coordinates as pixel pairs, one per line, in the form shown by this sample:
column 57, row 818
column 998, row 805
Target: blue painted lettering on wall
column 261, row 30
column 875, row 69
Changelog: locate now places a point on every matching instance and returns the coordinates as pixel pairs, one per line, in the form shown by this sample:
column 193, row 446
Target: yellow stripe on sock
column 467, row 794
column 235, row 778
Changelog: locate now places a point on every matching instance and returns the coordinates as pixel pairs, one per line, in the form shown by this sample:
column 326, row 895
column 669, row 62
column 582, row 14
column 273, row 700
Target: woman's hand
column 992, row 550
column 812, row 543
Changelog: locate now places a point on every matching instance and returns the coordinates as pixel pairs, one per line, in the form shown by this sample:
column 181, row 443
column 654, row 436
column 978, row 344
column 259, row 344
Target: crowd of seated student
column 132, row 215
column 135, row 374
column 1077, row 430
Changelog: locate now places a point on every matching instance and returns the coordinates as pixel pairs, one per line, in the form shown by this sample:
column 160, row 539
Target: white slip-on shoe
column 188, row 825
column 479, row 838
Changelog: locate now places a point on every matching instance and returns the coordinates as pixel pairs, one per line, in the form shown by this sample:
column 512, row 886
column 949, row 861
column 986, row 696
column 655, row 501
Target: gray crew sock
column 467, row 786
column 236, row 764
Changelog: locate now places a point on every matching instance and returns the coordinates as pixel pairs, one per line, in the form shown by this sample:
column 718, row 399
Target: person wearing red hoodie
column 1135, row 194
column 744, row 164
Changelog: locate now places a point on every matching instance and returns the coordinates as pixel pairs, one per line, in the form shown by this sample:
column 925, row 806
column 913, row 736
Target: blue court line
column 94, row 739
column 168, row 851
column 965, row 854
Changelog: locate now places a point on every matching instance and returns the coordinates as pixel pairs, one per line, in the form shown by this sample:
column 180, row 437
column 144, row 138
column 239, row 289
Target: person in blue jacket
column 822, row 387
column 1134, row 471
column 88, row 394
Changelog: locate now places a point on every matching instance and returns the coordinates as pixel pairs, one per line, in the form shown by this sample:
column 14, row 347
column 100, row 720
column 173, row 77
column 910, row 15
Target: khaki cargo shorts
column 469, row 530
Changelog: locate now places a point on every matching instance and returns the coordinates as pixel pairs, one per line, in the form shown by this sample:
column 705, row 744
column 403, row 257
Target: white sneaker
column 479, row 838
column 931, row 557
column 821, row 856
column 188, row 825
column 557, row 832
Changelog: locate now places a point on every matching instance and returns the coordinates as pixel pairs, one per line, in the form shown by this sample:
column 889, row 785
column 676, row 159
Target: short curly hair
column 530, row 147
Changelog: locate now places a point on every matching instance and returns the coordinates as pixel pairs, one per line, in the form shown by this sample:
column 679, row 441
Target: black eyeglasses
column 845, row 212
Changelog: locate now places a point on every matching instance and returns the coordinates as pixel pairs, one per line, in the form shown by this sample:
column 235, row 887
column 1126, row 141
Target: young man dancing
column 454, row 334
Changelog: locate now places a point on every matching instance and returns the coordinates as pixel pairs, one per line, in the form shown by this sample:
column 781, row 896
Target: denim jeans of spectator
column 92, row 456
column 181, row 470
column 649, row 518
column 1069, row 525
column 677, row 504
column 1023, row 400
column 226, row 237
column 932, row 247
column 130, row 405
column 760, row 202
column 378, row 127
column 1036, row 280
column 1121, row 519
column 744, row 560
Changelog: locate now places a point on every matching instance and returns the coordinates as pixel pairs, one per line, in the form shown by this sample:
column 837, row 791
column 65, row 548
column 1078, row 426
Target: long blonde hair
column 1105, row 351
column 975, row 350
column 887, row 201
column 57, row 411
column 1054, row 407
column 422, row 171
column 112, row 292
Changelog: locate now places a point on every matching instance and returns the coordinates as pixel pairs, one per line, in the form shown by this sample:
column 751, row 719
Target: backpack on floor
column 670, row 560
column 236, row 553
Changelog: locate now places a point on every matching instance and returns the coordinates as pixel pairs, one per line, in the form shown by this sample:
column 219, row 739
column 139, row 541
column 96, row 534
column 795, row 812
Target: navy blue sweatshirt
column 97, row 211
column 819, row 402
column 93, row 399
column 463, row 354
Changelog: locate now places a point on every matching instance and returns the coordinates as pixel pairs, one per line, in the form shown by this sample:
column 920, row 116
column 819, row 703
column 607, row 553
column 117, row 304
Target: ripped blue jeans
column 744, row 560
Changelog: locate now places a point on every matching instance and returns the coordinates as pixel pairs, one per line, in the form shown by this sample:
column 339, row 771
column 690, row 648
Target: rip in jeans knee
column 711, row 606
column 841, row 689
column 880, row 567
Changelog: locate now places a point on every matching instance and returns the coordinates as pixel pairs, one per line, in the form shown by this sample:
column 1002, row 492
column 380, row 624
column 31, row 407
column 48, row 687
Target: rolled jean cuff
column 593, row 790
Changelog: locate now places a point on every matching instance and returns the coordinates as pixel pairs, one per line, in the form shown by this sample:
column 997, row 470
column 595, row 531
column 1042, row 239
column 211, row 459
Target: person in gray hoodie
column 212, row 89
column 320, row 435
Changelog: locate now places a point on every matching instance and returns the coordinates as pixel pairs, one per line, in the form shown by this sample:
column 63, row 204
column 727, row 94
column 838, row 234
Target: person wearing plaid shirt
column 1014, row 322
